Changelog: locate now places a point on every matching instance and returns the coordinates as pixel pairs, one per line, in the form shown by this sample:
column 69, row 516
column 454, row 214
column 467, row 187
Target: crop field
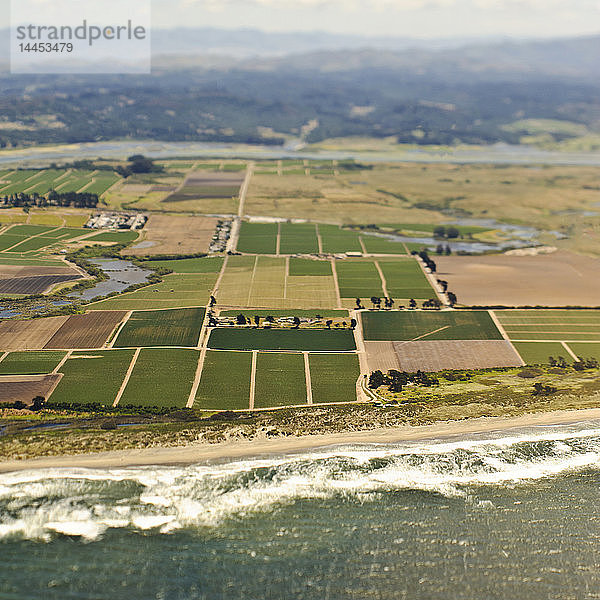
column 538, row 353
column 300, row 267
column 258, row 238
column 29, row 238
column 583, row 349
column 380, row 245
column 263, row 282
column 333, row 377
column 116, row 237
column 26, row 387
column 161, row 377
column 188, row 265
column 181, row 290
column 301, row 313
column 225, row 382
column 31, row 334
column 414, row 325
column 358, row 279
column 85, row 331
column 178, row 327
column 405, row 279
column 337, row 240
column 33, row 285
column 61, row 180
column 30, row 363
column 92, row 377
column 313, row 340
column 174, row 234
column 439, row 355
column 280, row 380
column 298, row 238
column 558, row 279
column 545, row 325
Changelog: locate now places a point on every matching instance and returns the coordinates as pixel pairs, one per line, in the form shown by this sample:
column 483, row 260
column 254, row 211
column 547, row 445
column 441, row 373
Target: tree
column 358, row 303
column 257, row 320
column 376, row 301
column 452, row 233
column 241, row 319
column 439, row 249
column 296, row 322
column 212, row 322
column 213, row 301
column 328, row 323
column 439, row 231
column 412, row 303
column 38, row 403
column 448, row 250
column 353, row 323
column 452, row 298
column 270, row 319
column 376, row 380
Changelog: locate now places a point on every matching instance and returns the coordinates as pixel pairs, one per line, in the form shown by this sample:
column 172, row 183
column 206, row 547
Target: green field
column 118, row 237
column 187, row 265
column 92, row 377
column 379, row 245
column 225, row 382
column 561, row 325
column 310, row 340
column 337, row 240
column 583, row 349
column 405, row 279
column 258, row 238
column 30, row 363
column 445, row 325
column 300, row 267
column 177, row 327
column 161, row 377
column 280, row 380
column 538, row 353
column 358, row 279
column 298, row 238
column 333, row 377
column 175, row 291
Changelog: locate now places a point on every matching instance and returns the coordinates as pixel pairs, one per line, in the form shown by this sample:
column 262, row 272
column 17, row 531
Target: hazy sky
column 415, row 18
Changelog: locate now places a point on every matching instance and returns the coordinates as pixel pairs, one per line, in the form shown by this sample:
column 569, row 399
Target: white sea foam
column 85, row 503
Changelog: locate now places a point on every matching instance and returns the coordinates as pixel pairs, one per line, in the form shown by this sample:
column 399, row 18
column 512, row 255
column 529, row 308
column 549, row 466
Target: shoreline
column 265, row 448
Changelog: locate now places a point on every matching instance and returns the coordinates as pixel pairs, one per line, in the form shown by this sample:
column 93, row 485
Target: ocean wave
column 85, row 503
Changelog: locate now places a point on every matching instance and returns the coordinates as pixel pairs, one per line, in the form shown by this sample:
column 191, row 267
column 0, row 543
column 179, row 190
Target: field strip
column 498, row 324
column 253, row 379
column 382, row 277
column 127, row 376
column 63, row 361
column 244, row 189
column 359, row 340
column 252, row 280
column 278, row 244
column 4, row 356
column 337, row 285
column 220, row 277
column 362, row 245
column 31, row 237
column 309, row 394
column 119, row 328
column 571, row 353
column 192, row 397
column 87, row 185
column 285, row 279
column 232, row 242
column 319, row 238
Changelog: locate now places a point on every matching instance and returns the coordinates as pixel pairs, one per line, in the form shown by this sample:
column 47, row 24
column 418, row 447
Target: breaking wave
column 86, row 502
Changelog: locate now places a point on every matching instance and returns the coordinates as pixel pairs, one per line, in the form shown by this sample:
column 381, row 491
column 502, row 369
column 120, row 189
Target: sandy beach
column 234, row 450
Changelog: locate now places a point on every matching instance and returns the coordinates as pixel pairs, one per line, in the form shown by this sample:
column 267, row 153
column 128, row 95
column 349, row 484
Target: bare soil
column 86, row 331
column 26, row 387
column 28, row 335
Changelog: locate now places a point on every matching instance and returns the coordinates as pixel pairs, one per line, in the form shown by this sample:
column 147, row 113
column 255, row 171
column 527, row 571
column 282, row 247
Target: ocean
column 507, row 515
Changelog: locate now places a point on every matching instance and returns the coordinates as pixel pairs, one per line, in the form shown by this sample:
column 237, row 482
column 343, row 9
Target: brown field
column 33, row 285
column 559, row 279
column 172, row 234
column 26, row 387
column 86, row 331
column 201, row 185
column 10, row 271
column 28, row 335
column 433, row 356
column 381, row 356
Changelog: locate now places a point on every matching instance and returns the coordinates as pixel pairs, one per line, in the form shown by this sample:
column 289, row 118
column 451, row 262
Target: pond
column 121, row 275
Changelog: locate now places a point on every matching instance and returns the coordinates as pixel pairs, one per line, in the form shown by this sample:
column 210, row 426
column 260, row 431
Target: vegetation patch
column 30, row 363
column 333, row 377
column 280, row 380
